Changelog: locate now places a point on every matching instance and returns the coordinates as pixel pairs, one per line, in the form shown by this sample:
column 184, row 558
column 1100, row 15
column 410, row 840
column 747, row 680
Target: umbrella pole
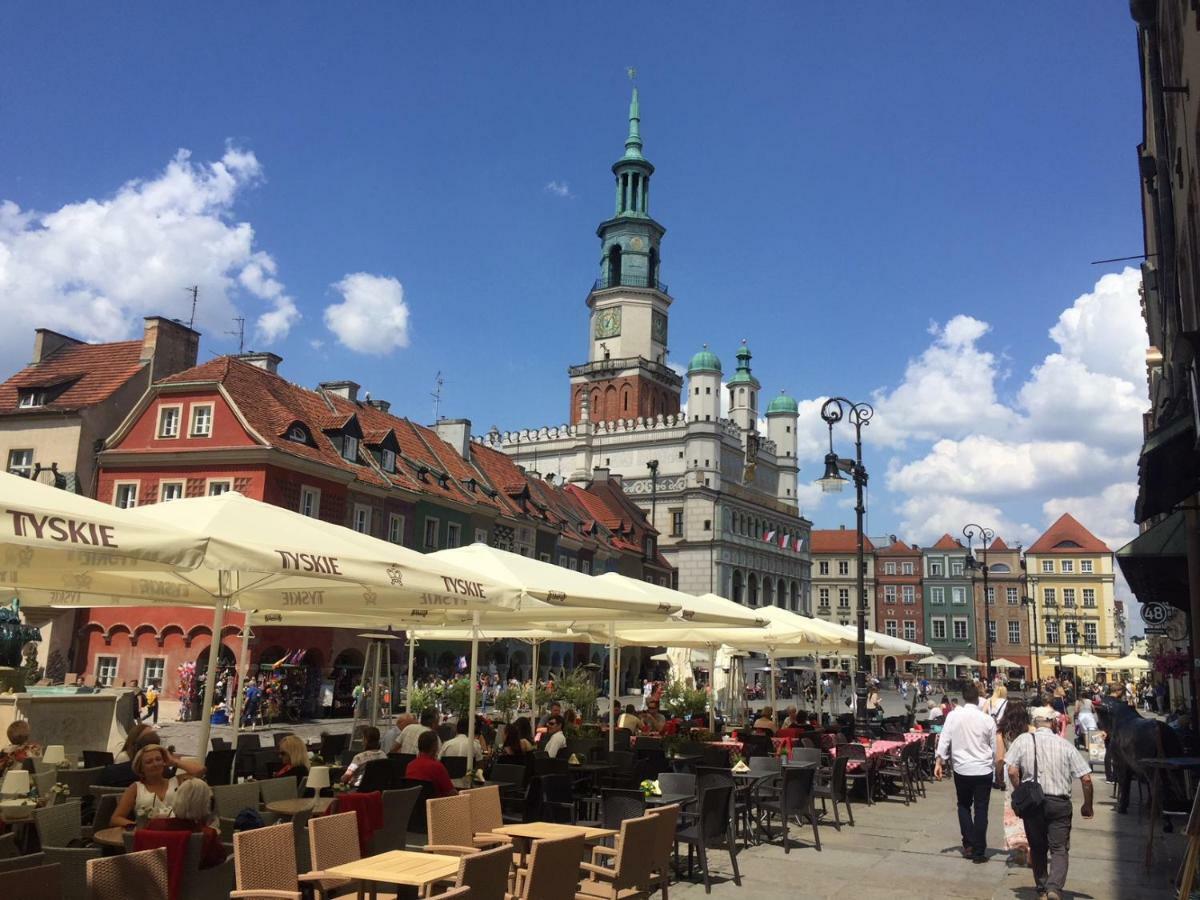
column 533, row 709
column 243, row 674
column 712, row 671
column 214, row 656
column 612, row 685
column 375, row 683
column 771, row 675
column 471, row 698
column 412, row 648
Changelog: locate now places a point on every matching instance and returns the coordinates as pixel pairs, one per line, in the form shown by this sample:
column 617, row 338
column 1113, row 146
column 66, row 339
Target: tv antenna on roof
column 241, row 333
column 437, row 396
column 194, row 290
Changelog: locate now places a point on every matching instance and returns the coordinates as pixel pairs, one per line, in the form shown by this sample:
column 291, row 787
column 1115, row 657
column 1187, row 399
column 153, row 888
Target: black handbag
column 1029, row 798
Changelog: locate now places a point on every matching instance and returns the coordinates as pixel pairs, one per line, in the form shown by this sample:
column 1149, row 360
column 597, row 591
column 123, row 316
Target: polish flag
column 799, row 544
column 783, row 542
column 769, row 536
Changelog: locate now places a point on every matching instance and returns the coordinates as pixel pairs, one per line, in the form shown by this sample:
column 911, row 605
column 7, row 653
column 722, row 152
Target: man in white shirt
column 411, row 735
column 1058, row 764
column 968, row 740
column 555, row 740
column 391, row 736
column 460, row 745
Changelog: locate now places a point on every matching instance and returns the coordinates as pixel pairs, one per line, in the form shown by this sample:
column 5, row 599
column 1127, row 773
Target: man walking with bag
column 968, row 740
column 1042, row 767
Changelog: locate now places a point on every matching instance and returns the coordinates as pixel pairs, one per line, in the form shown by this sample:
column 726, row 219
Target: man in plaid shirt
column 1049, row 830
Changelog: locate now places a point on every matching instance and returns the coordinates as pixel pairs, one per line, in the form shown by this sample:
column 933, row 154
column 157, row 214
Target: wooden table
column 400, row 867
column 113, row 836
column 526, row 833
column 291, row 808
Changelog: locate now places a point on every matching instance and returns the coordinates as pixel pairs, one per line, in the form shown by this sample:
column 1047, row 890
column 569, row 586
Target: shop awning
column 1155, row 563
column 1168, row 468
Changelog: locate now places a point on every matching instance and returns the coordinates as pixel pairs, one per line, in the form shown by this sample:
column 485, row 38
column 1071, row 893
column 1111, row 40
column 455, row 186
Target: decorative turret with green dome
column 743, row 374
column 743, row 393
column 783, row 405
column 704, row 361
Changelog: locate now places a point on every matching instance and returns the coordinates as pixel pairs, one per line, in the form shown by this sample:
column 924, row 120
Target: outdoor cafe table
column 876, row 750
column 784, row 743
column 528, row 832
column 668, row 799
column 399, row 867
column 290, row 808
column 112, row 837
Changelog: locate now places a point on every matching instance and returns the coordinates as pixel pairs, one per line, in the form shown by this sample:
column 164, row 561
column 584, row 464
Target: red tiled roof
column 838, row 540
column 95, row 371
column 1068, row 536
column 998, row 544
column 898, row 548
column 945, row 542
column 598, row 507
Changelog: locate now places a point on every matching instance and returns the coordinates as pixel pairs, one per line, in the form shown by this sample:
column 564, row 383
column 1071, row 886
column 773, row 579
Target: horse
column 1131, row 738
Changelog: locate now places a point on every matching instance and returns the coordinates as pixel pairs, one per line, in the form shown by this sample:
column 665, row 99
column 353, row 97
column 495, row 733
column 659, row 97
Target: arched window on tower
column 737, row 586
column 610, row 403
column 752, row 590
column 653, row 267
column 768, row 592
column 597, row 410
column 625, row 399
column 614, row 265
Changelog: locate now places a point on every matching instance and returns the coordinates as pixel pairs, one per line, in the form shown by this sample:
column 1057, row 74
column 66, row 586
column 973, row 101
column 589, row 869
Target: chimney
column 262, row 359
column 456, row 433
column 346, row 389
column 46, row 342
column 381, row 405
column 168, row 346
column 600, row 473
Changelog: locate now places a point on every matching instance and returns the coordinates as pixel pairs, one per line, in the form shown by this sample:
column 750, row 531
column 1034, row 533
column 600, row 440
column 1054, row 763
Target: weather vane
column 631, row 72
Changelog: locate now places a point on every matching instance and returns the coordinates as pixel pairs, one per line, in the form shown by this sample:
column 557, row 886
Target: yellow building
column 1070, row 576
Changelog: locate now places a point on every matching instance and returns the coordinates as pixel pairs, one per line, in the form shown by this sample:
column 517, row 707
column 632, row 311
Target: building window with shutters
column 906, row 568
column 168, row 421
column 1051, row 626
column 936, row 595
column 1090, row 634
column 1068, row 566
column 823, row 567
column 1049, row 597
column 991, row 629
column 170, row 490
column 889, row 593
column 1085, row 566
column 990, row 595
column 106, row 670
column 202, row 420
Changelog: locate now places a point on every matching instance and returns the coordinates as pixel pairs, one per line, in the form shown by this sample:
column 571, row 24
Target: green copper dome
column 704, row 361
column 742, row 375
column 783, row 404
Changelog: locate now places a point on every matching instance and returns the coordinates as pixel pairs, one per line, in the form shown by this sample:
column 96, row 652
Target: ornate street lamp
column 833, row 411
column 985, row 535
column 1029, row 601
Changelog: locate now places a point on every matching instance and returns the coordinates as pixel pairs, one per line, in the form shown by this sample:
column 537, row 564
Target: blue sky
column 834, row 180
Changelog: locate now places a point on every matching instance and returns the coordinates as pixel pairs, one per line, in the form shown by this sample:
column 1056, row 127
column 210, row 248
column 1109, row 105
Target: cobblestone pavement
column 912, row 852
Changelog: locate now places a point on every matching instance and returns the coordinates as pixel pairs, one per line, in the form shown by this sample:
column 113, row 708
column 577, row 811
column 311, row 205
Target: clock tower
column 626, row 375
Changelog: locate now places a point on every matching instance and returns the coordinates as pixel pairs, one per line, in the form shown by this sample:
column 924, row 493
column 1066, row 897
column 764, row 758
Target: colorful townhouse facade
column 949, row 613
column 899, row 601
column 835, row 583
column 236, row 424
column 1000, row 613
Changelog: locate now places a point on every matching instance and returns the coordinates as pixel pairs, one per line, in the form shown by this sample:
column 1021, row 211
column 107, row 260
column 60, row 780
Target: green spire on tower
column 633, row 143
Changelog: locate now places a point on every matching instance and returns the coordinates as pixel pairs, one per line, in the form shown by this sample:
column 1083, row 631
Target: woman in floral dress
column 1013, row 723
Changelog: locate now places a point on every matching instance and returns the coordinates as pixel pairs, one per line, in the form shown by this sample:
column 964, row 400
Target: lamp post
column 859, row 414
column 652, row 465
column 985, row 535
column 1029, row 601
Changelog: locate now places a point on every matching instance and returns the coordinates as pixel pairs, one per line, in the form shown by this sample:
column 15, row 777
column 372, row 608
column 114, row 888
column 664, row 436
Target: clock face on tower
column 608, row 322
column 658, row 324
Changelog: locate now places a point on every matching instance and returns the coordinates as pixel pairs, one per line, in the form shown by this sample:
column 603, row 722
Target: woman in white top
column 997, row 702
column 153, row 794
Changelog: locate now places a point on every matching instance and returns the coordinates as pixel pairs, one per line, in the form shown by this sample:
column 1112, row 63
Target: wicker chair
column 72, row 863
column 618, row 805
column 633, row 863
column 667, row 818
column 213, row 883
column 8, row 845
column 131, row 876
column 332, row 841
column 398, row 808
column 283, row 788
column 264, row 862
column 59, row 825
column 712, row 828
column 38, row 883
column 485, row 873
column 231, row 799
column 106, row 805
column 79, row 780
column 544, row 878
column 834, row 790
column 97, row 759
column 448, row 827
column 28, row 861
column 486, row 812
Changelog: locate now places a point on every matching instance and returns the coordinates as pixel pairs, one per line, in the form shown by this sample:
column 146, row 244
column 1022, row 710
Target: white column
column 224, row 581
column 471, row 695
column 412, row 652
column 612, row 685
column 243, row 674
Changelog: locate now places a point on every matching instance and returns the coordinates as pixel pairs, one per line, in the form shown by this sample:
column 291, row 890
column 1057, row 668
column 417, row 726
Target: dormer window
column 31, row 398
column 387, row 459
column 443, row 480
column 298, row 433
column 471, row 484
column 349, row 448
column 422, row 471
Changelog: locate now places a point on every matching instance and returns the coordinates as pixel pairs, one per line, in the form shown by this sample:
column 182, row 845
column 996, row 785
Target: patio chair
column 617, row 805
column 901, row 769
column 545, row 876
column 711, row 828
column 193, row 883
column 861, row 772
column 714, row 757
column 273, row 790
column 558, row 799
column 40, row 883
column 739, row 797
column 487, row 814
column 59, row 825
column 376, row 776
column 8, row 845
column 633, row 862
column 332, row 841
column 218, row 766
column 266, row 763
column 231, row 799
column 512, row 776
column 131, row 876
column 397, row 813
column 485, row 873
column 106, row 805
column 757, row 745
column 448, row 825
column 264, row 863
column 834, row 790
column 456, row 767
column 219, row 744
column 416, row 823
column 804, row 756
column 333, row 746
column 28, row 861
column 545, row 765
column 78, row 781
column 795, row 800
column 677, row 783
column 72, row 863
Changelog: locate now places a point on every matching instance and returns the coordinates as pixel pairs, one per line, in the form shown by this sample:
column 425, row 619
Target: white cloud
column 926, row 517
column 93, row 268
column 372, row 316
column 559, row 189
column 1107, row 514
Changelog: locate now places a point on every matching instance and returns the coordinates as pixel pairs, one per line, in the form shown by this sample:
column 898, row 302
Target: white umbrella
column 1003, row 663
column 935, row 660
column 1131, row 662
column 706, row 609
column 963, row 660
